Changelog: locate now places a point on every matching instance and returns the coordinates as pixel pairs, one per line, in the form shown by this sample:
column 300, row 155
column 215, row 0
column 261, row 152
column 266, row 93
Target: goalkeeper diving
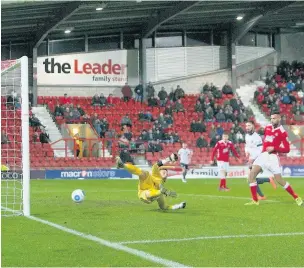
column 151, row 185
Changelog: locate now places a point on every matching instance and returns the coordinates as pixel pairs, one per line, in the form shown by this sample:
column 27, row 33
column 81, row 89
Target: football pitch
column 113, row 228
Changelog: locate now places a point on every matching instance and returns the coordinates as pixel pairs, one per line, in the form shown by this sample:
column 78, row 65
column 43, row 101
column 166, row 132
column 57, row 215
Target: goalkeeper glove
column 173, row 157
column 168, row 193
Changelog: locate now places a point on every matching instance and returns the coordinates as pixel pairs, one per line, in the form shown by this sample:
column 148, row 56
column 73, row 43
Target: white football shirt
column 184, row 155
column 254, row 145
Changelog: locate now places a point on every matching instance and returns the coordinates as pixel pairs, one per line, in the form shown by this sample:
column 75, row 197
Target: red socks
column 288, row 188
column 253, row 189
column 223, row 183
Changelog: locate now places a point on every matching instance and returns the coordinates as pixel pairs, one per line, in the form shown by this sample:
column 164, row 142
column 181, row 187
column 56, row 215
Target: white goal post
column 15, row 153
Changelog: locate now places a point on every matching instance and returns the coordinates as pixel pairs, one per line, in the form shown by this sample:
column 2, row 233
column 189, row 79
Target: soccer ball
column 78, row 196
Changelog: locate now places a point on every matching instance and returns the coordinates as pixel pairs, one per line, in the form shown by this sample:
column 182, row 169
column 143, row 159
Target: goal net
column 15, row 175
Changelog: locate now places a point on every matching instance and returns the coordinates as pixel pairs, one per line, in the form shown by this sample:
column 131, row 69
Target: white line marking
column 207, row 238
column 113, row 245
column 227, row 196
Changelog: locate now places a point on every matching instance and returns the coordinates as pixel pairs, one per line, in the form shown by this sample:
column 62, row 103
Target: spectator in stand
column 298, row 117
column 212, row 132
column 284, row 120
column 126, row 157
column 139, row 92
column 66, row 100
column 18, row 104
column 240, row 137
column 298, row 85
column 172, row 96
column 179, row 107
column 58, row 110
column 158, row 146
column 214, row 140
column 110, row 99
column 175, row 137
column 127, row 134
column 126, row 121
column 230, row 117
column 290, row 86
column 193, row 126
column 80, row 110
column 96, row 123
column 150, row 135
column 4, row 138
column 96, row 100
column 161, row 119
column 75, row 114
column 227, row 89
column 179, row 93
column 31, row 97
column 232, row 136
column 150, row 90
column 198, row 107
column 216, row 108
column 35, row 122
column 260, row 98
column 103, row 100
column 44, row 137
column 158, row 135
column 162, row 95
column 205, row 88
column 200, row 126
column 11, row 99
column 152, row 102
column 296, row 107
column 168, row 120
column 126, row 92
column 219, row 130
column 104, row 127
column 144, row 136
column 209, row 116
column 220, row 116
column 169, row 110
column 286, row 99
column 217, row 94
column 201, row 142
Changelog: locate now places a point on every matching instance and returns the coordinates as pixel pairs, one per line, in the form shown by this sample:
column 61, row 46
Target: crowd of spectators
column 286, row 86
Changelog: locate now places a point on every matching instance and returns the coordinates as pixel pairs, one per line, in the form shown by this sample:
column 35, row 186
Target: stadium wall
column 292, row 47
column 188, row 67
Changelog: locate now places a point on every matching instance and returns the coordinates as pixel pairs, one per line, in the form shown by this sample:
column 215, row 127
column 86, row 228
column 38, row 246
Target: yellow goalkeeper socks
column 132, row 169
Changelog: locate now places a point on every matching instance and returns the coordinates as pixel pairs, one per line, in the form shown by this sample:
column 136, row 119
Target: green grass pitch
column 216, row 228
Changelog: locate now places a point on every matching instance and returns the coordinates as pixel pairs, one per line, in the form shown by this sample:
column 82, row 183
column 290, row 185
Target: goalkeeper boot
column 179, row 206
column 252, row 203
column 299, row 201
column 119, row 163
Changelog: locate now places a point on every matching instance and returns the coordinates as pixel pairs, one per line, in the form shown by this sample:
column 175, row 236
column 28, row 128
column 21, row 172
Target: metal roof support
column 268, row 9
column 64, row 13
column 165, row 16
column 143, row 63
column 231, row 47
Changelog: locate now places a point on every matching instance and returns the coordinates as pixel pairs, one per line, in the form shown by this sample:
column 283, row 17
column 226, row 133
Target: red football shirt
column 222, row 149
column 277, row 138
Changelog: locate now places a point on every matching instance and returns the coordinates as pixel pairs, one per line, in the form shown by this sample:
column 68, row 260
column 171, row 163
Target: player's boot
column 261, row 197
column 184, row 180
column 299, row 201
column 226, row 189
column 119, row 163
column 272, row 182
column 252, row 203
column 179, row 206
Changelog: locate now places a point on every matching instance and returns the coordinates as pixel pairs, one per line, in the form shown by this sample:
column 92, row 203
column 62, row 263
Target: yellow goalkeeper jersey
column 150, row 181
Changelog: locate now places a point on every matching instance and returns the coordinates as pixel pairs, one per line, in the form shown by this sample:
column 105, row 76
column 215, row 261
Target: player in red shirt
column 223, row 148
column 275, row 141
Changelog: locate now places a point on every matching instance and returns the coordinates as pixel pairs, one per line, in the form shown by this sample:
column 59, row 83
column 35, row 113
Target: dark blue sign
column 293, row 171
column 87, row 174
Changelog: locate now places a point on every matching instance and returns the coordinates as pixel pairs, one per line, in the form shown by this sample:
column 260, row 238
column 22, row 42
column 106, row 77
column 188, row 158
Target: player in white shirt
column 253, row 149
column 185, row 157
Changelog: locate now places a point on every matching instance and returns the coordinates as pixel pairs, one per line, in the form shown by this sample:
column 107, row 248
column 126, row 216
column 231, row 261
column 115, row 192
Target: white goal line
column 116, row 246
column 208, row 238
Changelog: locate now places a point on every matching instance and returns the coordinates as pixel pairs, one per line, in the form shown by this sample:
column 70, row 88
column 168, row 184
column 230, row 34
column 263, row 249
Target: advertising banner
column 87, row 174
column 87, row 69
column 293, row 171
